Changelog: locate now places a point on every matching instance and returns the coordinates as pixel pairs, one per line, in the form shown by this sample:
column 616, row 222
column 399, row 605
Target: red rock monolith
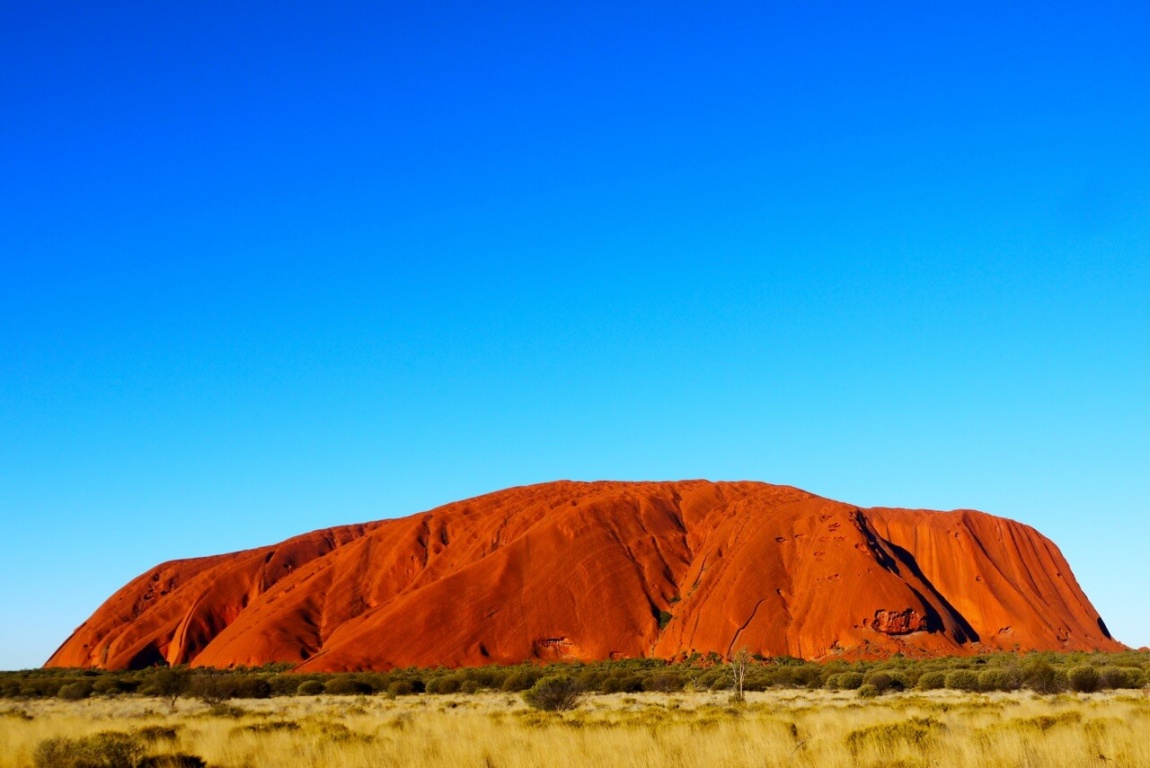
column 571, row 570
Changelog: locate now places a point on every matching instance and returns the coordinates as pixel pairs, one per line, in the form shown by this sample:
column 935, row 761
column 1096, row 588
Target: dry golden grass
column 777, row 728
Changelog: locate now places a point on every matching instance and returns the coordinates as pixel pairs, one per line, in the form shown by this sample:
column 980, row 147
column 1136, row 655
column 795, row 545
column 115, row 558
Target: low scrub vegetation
column 1044, row 673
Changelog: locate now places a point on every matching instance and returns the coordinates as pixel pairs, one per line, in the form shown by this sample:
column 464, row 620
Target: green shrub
column 932, row 681
column 400, row 688
column 554, row 693
column 111, row 686
column 449, row 684
column 850, row 681
column 909, row 677
column 469, row 686
column 880, row 680
column 590, row 680
column 108, row 749
column 997, row 680
column 215, row 689
column 309, row 688
column 1061, row 679
column 805, row 675
column 287, row 685
column 760, row 680
column 376, row 682
column 75, row 691
column 665, row 682
column 1084, row 679
column 1040, row 677
column 868, row 691
column 962, row 680
column 1120, row 677
column 634, row 684
column 346, row 686
column 707, row 680
column 250, row 687
column 519, row 680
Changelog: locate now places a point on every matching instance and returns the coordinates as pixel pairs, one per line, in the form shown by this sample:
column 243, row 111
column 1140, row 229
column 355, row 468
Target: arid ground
column 773, row 728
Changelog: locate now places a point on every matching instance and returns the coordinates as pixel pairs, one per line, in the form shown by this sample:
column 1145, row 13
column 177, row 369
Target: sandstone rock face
column 572, row 570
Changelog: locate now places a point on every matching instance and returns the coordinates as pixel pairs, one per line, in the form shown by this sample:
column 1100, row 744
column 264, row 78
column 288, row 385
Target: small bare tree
column 739, row 663
column 169, row 683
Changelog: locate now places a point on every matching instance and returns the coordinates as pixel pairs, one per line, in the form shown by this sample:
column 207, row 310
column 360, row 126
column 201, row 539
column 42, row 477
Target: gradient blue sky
column 270, row 267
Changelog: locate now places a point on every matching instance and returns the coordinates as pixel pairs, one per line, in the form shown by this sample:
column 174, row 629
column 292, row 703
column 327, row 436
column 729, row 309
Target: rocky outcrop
column 603, row 570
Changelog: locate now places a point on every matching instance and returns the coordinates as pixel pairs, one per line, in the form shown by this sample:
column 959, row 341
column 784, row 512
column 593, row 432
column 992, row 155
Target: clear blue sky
column 269, row 267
